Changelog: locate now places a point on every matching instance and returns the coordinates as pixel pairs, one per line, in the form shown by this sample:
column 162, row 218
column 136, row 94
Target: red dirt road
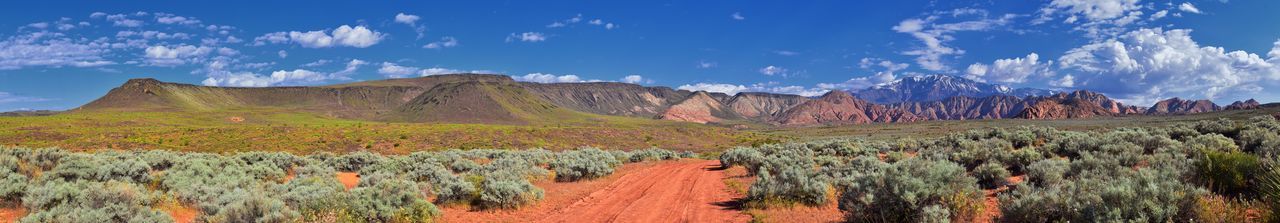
column 686, row 191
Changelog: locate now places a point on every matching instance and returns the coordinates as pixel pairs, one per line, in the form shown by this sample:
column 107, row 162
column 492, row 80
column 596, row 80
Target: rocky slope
column 763, row 106
column 699, row 107
column 1241, row 105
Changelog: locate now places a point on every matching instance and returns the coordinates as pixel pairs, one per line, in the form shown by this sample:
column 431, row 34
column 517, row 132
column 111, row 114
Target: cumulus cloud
column 445, row 42
column 1065, row 82
column 551, row 78
column 635, row 79
column 393, row 70
column 280, row 77
column 46, row 49
column 527, row 37
column 773, row 70
column 1146, row 65
column 161, row 55
column 1013, row 70
column 887, row 73
column 935, row 31
column 770, row 87
column 121, row 20
column 166, row 18
column 737, row 16
column 283, row 54
column 1188, row 7
column 358, row 36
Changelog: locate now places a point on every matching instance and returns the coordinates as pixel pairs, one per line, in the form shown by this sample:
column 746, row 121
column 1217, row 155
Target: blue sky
column 62, row 54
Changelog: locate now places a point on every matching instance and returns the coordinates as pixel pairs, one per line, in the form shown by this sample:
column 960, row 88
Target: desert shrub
column 584, row 163
column 243, row 205
column 355, row 161
column 505, row 189
column 991, row 175
column 652, row 154
column 515, row 166
column 910, row 190
column 1124, row 194
column 974, row 153
column 1221, row 126
column 1269, row 187
column 841, row 176
column 91, row 202
column 12, row 186
column 312, row 168
column 391, row 200
column 742, row 156
column 101, row 168
column 280, row 160
column 688, row 154
column 45, row 158
column 790, row 184
column 1227, row 172
column 1048, row 172
column 537, row 156
column 314, row 196
column 1019, row 159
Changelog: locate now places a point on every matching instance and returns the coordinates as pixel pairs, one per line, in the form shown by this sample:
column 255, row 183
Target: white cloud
column 1188, row 7
column 770, row 87
column 161, row 55
column 1145, row 65
column 123, row 20
column 934, row 35
column 165, row 18
column 393, row 70
column 1066, row 81
column 556, row 25
column 705, row 64
column 359, row 37
column 773, row 70
column 218, row 77
column 886, row 74
column 396, row 71
column 45, row 49
column 283, row 54
column 610, row 26
column 407, row 19
column 412, row 21
column 596, row 22
column 549, row 78
column 317, row 63
column 1013, row 70
column 527, row 37
column 786, row 52
column 635, row 79
column 6, row 97
column 445, row 42
column 1092, row 10
column 240, row 79
column 737, row 16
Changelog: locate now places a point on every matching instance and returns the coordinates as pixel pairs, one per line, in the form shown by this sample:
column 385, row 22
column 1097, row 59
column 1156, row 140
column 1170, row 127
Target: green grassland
column 261, row 129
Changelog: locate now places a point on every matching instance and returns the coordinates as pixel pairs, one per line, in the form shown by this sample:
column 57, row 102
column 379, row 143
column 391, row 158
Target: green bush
column 250, row 206
column 912, row 190
column 391, row 200
column 1227, row 172
column 791, row 184
column 991, row 175
column 507, row 190
column 585, row 163
column 91, row 202
column 314, row 196
column 652, row 154
column 1048, row 172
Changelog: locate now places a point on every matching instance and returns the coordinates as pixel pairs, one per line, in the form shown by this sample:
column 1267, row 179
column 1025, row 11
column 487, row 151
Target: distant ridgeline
column 498, row 99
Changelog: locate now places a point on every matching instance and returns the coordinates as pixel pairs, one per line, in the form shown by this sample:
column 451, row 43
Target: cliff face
column 608, row 98
column 1078, row 104
column 700, row 107
column 763, row 106
column 964, row 108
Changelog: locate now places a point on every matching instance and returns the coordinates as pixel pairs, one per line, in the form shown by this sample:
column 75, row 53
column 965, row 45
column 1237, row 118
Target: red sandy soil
column 668, row 191
column 12, row 214
column 991, row 210
column 182, row 214
column 349, row 179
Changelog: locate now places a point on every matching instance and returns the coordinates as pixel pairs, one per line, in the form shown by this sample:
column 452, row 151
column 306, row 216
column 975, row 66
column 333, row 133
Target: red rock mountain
column 1241, row 105
column 1180, row 106
column 839, row 107
column 478, row 98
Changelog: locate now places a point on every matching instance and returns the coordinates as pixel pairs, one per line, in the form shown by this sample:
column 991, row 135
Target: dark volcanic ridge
column 498, row 99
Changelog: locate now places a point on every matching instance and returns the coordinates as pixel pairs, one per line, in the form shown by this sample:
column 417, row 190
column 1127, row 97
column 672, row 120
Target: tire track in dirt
column 686, row 191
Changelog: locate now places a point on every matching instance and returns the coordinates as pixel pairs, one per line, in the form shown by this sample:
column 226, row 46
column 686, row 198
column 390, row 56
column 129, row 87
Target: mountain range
column 498, row 99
